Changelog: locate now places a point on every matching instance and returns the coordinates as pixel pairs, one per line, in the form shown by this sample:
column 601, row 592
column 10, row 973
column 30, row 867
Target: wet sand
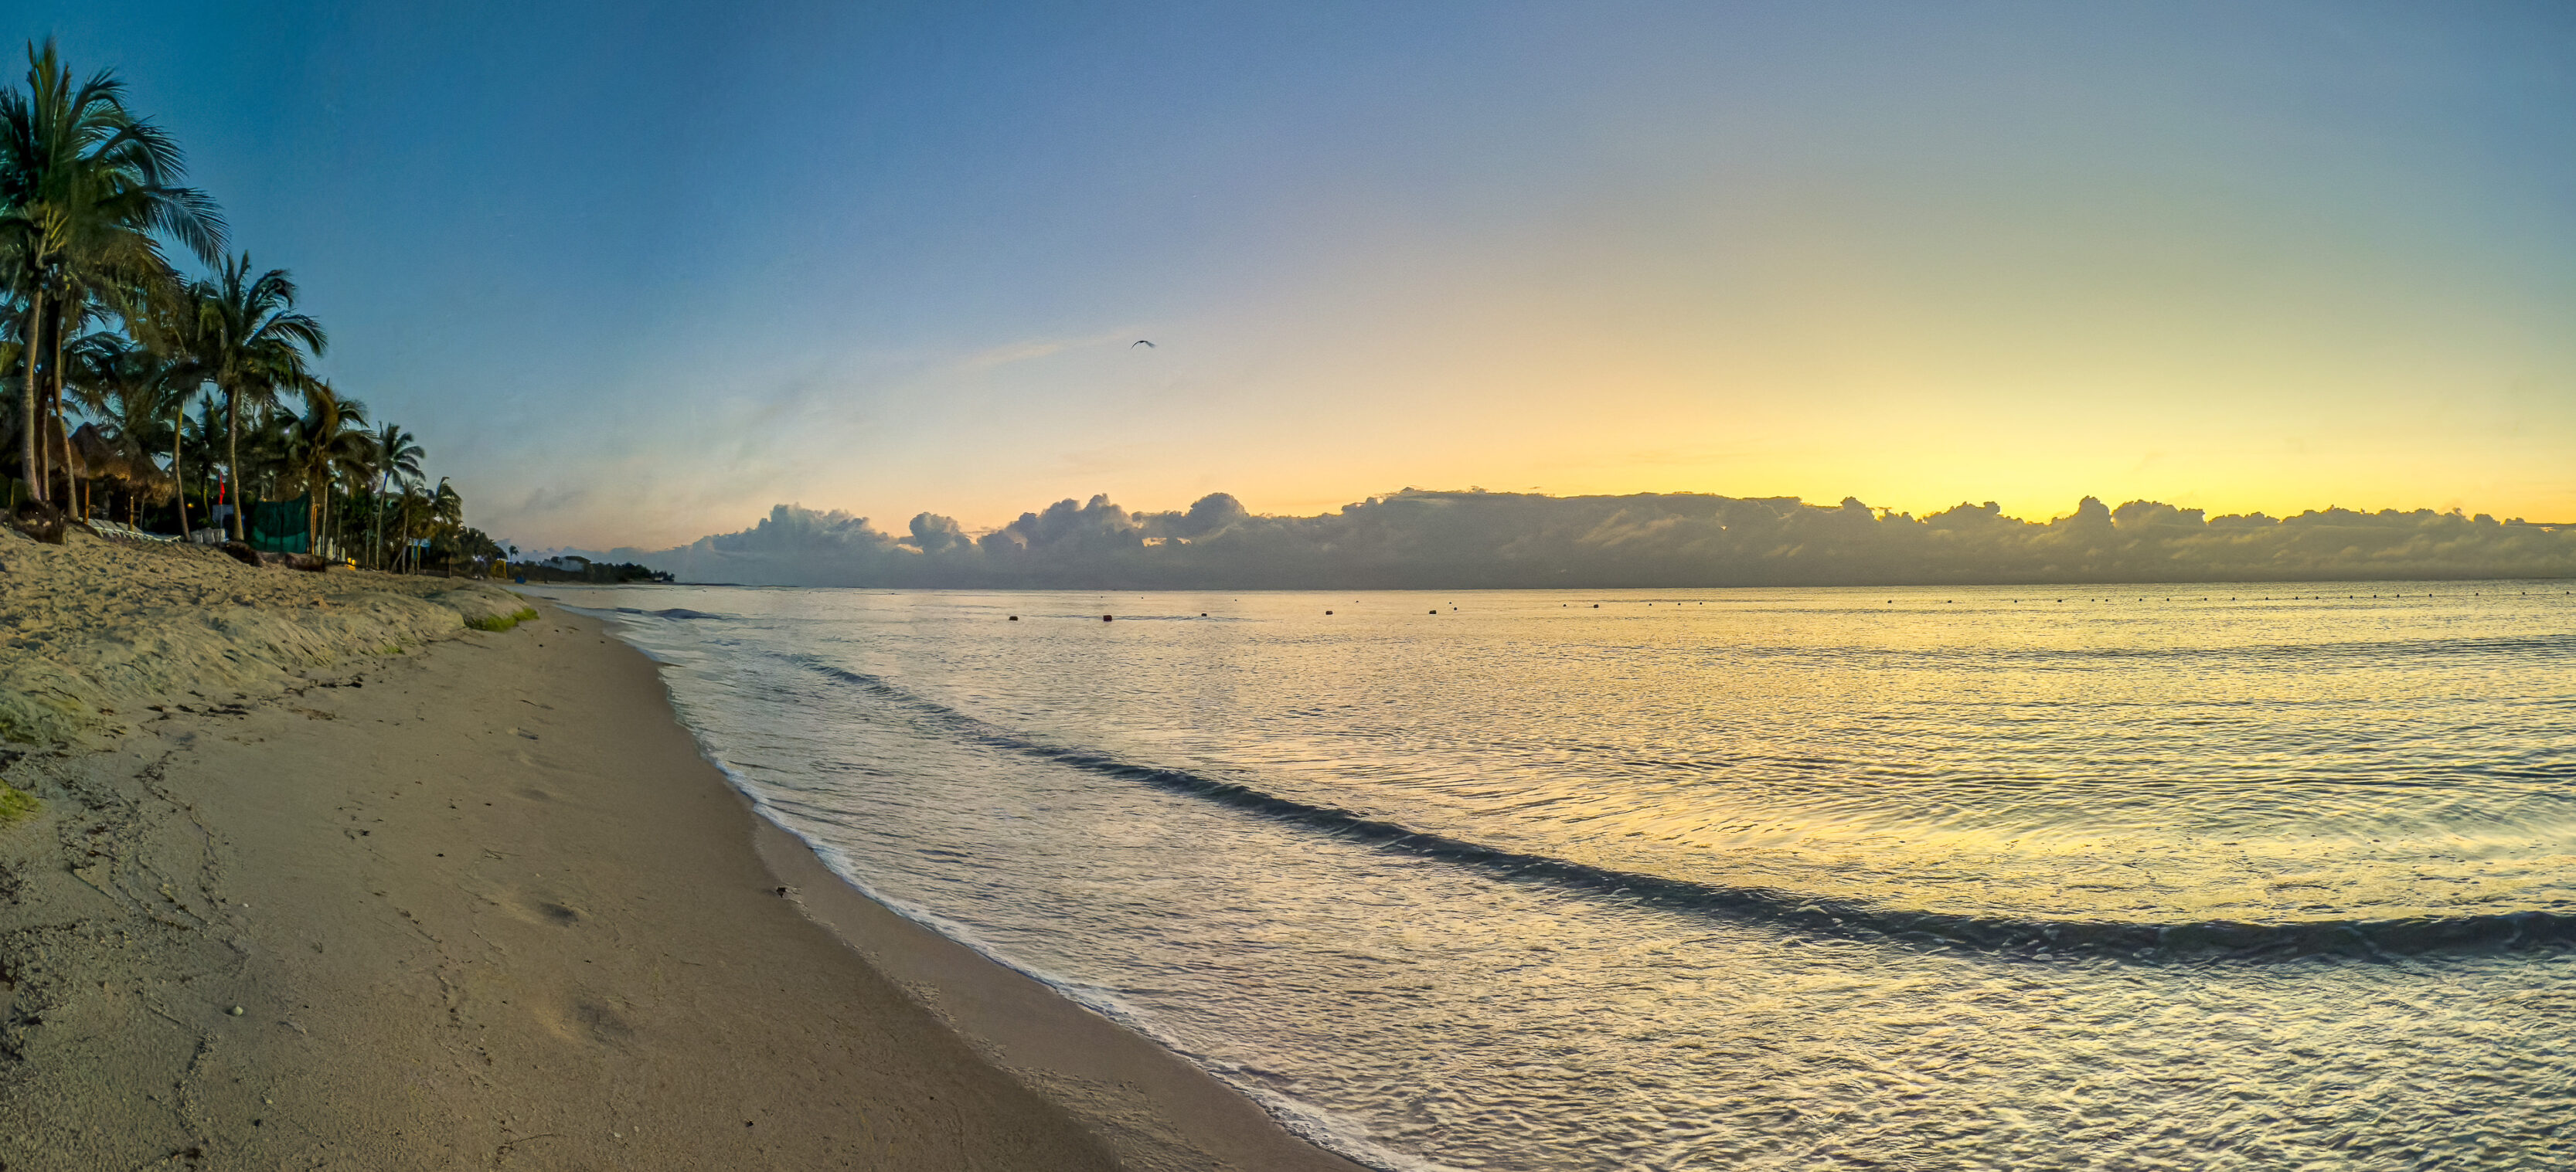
column 482, row 905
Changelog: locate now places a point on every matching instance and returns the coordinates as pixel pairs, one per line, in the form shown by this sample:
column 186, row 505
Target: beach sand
column 483, row 905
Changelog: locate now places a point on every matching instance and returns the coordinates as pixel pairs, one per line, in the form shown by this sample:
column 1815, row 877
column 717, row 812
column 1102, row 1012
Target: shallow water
column 2184, row 877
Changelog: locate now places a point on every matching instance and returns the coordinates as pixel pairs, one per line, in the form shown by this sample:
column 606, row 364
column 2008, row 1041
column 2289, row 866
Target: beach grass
column 16, row 805
column 502, row 622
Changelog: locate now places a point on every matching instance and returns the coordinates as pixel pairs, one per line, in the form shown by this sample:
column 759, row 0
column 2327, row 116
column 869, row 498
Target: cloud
column 1008, row 353
column 547, row 498
column 1465, row 540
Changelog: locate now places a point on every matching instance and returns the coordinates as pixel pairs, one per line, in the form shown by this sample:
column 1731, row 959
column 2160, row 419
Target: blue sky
column 636, row 272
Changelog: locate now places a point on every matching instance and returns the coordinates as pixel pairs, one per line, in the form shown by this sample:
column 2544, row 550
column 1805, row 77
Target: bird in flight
column 1140, row 342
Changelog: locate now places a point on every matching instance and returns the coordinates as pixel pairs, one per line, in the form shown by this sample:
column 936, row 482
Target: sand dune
column 94, row 630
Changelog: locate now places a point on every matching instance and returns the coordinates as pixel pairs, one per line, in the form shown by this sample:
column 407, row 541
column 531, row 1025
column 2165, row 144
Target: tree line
column 151, row 396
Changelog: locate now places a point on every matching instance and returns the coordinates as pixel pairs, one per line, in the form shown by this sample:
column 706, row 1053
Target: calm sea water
column 2205, row 877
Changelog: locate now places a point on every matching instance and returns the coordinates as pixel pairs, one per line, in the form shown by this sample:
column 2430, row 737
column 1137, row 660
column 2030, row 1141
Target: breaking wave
column 2355, row 936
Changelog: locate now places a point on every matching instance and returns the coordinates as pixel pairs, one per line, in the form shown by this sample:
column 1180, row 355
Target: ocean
column 2197, row 877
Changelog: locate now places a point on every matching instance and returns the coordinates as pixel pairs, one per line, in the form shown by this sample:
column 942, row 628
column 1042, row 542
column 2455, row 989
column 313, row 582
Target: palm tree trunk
column 61, row 454
column 34, row 464
column 232, row 462
column 179, row 483
column 71, row 490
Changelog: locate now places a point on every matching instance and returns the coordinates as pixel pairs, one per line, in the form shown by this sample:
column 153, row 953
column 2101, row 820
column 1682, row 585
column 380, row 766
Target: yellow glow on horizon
column 1787, row 330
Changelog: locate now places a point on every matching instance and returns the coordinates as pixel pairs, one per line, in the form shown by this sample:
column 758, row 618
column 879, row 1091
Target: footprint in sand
column 536, row 908
column 584, row 1018
column 601, row 1022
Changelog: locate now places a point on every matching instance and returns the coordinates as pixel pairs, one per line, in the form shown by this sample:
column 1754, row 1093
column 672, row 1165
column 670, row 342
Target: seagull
column 1140, row 342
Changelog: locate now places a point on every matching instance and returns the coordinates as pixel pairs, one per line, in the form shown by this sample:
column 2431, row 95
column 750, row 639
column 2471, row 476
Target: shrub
column 502, row 622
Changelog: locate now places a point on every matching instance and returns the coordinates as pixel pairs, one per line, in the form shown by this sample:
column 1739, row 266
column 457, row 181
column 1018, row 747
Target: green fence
column 281, row 526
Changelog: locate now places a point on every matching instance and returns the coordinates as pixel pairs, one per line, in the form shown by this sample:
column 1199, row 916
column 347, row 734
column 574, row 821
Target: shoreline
column 1156, row 1109
column 486, row 905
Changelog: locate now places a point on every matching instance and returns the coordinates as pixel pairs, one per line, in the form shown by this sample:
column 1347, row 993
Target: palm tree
column 197, row 437
column 351, row 464
column 267, row 450
column 330, row 437
column 252, row 345
column 397, row 460
column 410, row 509
column 139, row 394
column 425, row 515
column 164, row 331
column 84, row 188
column 99, row 373
column 446, row 510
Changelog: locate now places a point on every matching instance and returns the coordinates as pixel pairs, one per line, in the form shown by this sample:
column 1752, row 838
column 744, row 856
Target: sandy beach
column 292, row 901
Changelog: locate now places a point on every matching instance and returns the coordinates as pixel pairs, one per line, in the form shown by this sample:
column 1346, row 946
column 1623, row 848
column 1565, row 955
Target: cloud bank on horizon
column 1479, row 540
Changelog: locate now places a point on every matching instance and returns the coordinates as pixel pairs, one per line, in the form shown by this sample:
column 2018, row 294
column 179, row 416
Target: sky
column 637, row 272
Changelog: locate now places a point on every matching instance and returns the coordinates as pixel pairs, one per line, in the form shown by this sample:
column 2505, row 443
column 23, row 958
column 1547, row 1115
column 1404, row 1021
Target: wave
column 1320, row 1127
column 677, row 612
column 2347, row 936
